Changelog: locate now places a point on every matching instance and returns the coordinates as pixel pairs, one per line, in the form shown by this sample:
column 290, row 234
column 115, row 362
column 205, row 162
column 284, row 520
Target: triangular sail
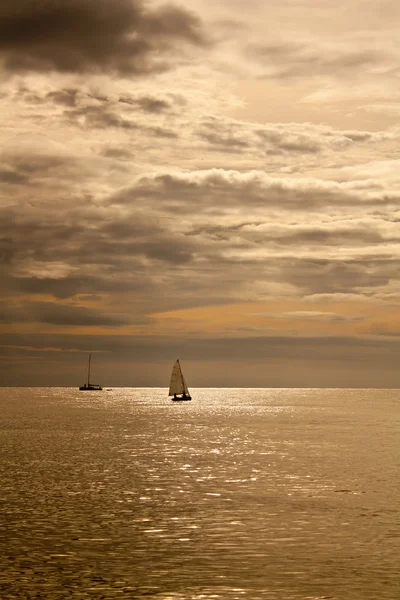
column 177, row 384
column 185, row 387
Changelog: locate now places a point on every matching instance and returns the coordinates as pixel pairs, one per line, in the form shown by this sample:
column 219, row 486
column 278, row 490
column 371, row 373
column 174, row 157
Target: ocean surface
column 260, row 494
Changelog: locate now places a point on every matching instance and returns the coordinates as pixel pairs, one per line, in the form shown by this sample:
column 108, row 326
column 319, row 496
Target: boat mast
column 88, row 377
column 182, row 380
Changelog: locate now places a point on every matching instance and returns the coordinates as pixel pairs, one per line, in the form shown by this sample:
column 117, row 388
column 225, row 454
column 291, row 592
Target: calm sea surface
column 239, row 494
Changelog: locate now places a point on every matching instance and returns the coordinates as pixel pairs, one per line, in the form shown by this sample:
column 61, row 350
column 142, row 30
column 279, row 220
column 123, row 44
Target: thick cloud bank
column 125, row 36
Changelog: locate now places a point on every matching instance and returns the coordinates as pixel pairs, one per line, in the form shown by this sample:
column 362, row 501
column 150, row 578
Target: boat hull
column 91, row 388
column 181, row 399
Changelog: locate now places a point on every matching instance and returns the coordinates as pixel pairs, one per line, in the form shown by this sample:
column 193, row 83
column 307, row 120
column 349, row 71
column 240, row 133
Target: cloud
column 68, row 97
column 259, row 348
column 88, row 115
column 149, row 104
column 51, row 313
column 105, row 118
column 286, row 60
column 67, row 245
column 33, row 160
column 351, row 233
column 10, row 176
column 6, row 250
column 190, row 238
column 125, row 36
column 71, row 285
column 283, row 139
column 338, row 276
column 332, row 235
column 313, row 315
column 217, row 189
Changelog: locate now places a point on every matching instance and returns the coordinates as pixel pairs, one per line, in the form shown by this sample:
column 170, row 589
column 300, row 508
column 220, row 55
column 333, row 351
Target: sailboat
column 177, row 386
column 90, row 387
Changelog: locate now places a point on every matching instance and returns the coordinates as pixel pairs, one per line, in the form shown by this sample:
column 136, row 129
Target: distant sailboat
column 92, row 387
column 178, row 385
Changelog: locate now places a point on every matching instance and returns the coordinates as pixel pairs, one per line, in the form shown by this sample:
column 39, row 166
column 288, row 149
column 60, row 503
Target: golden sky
column 217, row 182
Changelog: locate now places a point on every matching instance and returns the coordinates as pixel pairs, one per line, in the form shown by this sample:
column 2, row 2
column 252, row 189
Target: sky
column 212, row 181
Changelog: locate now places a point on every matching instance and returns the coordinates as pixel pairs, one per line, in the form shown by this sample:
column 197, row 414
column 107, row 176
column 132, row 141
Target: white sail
column 185, row 387
column 177, row 384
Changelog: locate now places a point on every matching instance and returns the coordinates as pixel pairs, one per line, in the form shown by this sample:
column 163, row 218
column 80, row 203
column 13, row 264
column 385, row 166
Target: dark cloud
column 312, row 315
column 88, row 236
column 215, row 190
column 127, row 36
column 353, row 236
column 118, row 360
column 98, row 117
column 75, row 250
column 51, row 313
column 264, row 233
column 12, row 177
column 67, row 97
column 287, row 140
column 150, row 290
column 25, row 167
column 104, row 117
column 230, row 135
column 363, row 136
column 32, row 164
column 221, row 232
column 297, row 147
column 28, row 96
column 69, row 286
column 164, row 241
column 337, row 276
column 142, row 349
column 7, row 250
column 147, row 103
column 227, row 137
column 160, row 132
column 118, row 153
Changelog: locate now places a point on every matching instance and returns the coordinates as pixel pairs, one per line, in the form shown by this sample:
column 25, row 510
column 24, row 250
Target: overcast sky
column 214, row 181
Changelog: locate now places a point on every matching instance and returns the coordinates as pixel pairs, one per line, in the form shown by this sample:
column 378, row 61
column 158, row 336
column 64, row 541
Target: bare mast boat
column 91, row 387
column 177, row 386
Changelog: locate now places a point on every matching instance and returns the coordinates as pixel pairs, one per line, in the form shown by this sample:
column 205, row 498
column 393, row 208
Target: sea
column 240, row 494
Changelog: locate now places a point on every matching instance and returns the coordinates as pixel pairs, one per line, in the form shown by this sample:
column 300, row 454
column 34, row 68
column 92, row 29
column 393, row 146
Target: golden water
column 239, row 494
